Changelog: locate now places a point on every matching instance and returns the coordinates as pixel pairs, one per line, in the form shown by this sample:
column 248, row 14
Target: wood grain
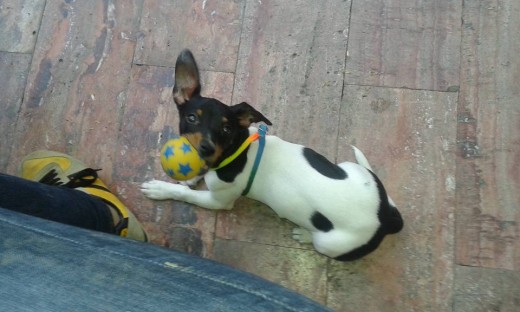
column 13, row 85
column 403, row 43
column 290, row 67
column 211, row 29
column 20, row 23
column 483, row 289
column 78, row 79
column 488, row 221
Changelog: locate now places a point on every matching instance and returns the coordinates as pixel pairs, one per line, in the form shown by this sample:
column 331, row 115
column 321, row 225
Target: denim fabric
column 55, row 203
column 49, row 266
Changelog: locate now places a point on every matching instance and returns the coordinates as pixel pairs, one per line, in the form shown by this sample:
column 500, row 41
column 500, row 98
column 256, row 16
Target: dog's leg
column 302, row 235
column 161, row 190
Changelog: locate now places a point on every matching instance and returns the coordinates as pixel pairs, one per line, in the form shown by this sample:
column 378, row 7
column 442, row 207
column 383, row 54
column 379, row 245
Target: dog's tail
column 363, row 161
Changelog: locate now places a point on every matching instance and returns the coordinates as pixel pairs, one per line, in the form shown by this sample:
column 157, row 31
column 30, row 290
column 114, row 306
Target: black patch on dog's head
column 214, row 129
column 210, row 126
column 321, row 222
column 323, row 165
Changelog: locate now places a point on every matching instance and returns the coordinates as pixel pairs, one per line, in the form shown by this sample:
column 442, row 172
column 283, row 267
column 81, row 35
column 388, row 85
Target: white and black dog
column 342, row 209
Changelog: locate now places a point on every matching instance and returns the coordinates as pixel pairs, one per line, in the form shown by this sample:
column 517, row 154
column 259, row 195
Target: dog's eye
column 192, row 118
column 226, row 129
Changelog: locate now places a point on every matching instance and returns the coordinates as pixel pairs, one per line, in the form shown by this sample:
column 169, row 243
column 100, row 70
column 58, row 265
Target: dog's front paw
column 160, row 190
column 302, row 235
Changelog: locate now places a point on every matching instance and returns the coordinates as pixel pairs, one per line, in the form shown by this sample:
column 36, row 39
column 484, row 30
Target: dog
column 342, row 209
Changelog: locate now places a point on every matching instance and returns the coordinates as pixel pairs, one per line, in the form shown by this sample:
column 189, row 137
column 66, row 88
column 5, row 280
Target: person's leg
column 58, row 169
column 55, row 203
column 47, row 266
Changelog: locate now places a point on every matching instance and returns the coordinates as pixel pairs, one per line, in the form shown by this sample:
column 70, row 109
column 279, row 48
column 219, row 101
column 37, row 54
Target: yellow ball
column 180, row 160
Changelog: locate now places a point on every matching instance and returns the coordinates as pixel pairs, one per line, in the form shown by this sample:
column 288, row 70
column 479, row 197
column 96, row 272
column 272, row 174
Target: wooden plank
column 482, row 289
column 211, row 29
column 148, row 121
column 290, row 67
column 78, row 79
column 20, row 22
column 11, row 87
column 404, row 43
column 488, row 174
column 407, row 135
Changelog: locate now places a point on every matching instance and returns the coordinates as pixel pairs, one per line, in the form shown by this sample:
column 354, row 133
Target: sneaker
column 59, row 169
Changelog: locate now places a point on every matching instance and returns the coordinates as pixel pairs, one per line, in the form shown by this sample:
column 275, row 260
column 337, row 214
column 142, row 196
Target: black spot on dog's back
column 364, row 250
column 323, row 165
column 391, row 223
column 321, row 222
column 389, row 216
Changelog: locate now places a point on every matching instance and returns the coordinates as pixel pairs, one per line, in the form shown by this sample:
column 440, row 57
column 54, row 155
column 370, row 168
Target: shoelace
column 85, row 178
column 81, row 178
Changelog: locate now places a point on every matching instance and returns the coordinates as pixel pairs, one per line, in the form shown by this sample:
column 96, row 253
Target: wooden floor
column 429, row 90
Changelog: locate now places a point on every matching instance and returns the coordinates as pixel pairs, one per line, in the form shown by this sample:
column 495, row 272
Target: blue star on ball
column 186, row 148
column 168, row 152
column 185, row 169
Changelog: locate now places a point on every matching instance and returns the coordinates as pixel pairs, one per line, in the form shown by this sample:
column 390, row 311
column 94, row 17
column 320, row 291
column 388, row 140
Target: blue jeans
column 50, row 266
column 56, row 203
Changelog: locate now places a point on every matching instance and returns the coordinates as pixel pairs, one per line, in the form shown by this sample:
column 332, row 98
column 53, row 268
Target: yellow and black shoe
column 55, row 168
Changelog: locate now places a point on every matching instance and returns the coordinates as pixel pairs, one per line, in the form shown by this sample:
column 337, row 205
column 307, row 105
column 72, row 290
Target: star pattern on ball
column 168, row 152
column 186, row 148
column 180, row 160
column 185, row 169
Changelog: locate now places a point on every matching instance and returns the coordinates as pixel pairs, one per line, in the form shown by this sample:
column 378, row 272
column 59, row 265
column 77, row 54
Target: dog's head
column 209, row 125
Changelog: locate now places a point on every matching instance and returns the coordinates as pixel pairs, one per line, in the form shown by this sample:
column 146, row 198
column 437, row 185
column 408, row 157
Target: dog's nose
column 206, row 148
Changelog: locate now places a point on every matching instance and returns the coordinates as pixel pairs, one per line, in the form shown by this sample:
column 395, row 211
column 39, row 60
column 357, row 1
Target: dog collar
column 262, row 130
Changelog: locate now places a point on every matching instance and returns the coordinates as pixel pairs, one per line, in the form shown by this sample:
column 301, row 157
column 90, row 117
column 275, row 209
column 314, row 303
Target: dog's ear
column 187, row 80
column 247, row 115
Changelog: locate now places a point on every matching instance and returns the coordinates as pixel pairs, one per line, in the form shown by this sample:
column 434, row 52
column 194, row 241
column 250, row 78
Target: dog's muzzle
column 206, row 149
